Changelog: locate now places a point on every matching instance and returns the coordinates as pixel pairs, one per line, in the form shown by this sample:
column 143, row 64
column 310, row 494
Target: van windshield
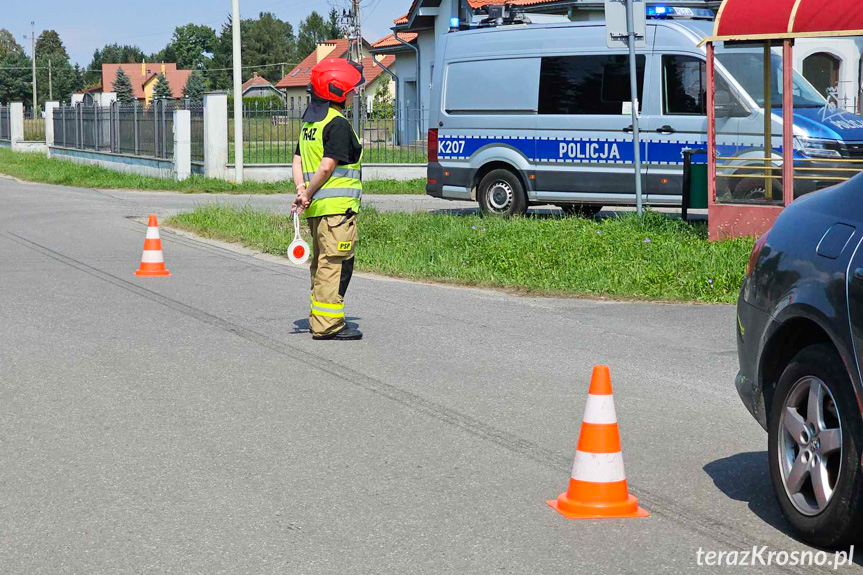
column 747, row 67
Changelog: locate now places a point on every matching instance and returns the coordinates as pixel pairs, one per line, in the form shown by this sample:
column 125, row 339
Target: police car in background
column 539, row 113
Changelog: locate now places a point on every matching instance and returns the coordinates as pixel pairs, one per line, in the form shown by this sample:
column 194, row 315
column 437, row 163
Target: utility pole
column 633, row 84
column 33, row 39
column 355, row 35
column 238, row 94
column 50, row 83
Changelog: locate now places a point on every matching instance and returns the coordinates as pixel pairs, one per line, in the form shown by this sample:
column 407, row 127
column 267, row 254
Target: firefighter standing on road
column 327, row 172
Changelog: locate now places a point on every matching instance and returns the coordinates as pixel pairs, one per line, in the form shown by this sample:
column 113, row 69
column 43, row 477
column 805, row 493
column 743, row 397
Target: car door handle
column 628, row 129
column 857, row 276
column 666, row 129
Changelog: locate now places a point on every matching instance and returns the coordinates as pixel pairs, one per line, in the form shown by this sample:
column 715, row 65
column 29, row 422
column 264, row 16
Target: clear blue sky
column 86, row 25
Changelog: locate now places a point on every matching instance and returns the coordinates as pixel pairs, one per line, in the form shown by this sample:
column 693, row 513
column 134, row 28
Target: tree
column 194, row 88
column 123, row 87
column 55, row 75
column 166, row 54
column 191, row 45
column 334, row 25
column 49, row 42
column 64, row 80
column 8, row 43
column 313, row 30
column 220, row 77
column 383, row 101
column 266, row 41
column 15, row 78
column 162, row 89
column 111, row 54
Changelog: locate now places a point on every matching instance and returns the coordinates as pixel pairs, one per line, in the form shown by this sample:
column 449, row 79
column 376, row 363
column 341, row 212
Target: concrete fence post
column 49, row 124
column 16, row 122
column 216, row 135
column 182, row 144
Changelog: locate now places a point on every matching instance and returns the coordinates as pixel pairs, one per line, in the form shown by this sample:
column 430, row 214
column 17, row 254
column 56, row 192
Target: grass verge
column 38, row 168
column 653, row 258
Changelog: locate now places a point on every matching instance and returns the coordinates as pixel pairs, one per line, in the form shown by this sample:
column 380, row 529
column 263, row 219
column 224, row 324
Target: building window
column 822, row 71
column 292, row 102
column 587, row 85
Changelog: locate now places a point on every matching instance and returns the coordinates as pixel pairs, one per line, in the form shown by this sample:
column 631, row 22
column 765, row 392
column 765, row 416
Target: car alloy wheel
column 810, row 446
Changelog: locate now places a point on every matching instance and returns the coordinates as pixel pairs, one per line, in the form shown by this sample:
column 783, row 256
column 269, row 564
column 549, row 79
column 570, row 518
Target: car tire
column 580, row 210
column 815, row 436
column 753, row 189
column 501, row 194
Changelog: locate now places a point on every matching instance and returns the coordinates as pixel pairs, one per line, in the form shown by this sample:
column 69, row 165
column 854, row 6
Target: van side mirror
column 727, row 106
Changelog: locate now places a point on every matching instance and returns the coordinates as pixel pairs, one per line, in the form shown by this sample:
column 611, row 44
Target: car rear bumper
column 752, row 323
column 434, row 180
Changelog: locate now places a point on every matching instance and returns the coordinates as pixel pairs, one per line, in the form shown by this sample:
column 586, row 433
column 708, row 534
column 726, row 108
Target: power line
column 205, row 71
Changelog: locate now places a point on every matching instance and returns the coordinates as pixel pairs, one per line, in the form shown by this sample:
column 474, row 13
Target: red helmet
column 334, row 78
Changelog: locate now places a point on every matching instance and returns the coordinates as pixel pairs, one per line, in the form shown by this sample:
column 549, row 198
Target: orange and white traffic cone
column 597, row 486
column 152, row 261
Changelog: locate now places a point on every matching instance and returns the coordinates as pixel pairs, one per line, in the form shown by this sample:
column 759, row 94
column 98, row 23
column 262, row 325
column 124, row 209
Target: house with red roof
column 259, row 87
column 295, row 83
column 144, row 76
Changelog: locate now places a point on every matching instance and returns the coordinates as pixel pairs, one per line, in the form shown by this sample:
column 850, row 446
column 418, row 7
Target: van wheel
column 750, row 189
column 580, row 210
column 815, row 441
column 501, row 194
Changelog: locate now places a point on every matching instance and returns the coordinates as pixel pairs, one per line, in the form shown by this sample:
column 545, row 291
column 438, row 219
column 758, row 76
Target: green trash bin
column 694, row 182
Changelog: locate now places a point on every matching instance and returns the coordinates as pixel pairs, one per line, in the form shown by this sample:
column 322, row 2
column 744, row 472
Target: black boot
column 346, row 334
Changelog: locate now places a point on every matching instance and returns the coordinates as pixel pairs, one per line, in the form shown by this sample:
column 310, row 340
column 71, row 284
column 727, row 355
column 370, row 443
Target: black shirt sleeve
column 340, row 143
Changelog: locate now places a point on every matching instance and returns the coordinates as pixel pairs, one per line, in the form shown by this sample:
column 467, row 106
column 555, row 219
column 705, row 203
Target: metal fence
column 34, row 126
column 270, row 135
column 127, row 129
column 5, row 126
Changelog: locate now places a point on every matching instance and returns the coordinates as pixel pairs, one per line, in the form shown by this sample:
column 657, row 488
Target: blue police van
column 535, row 114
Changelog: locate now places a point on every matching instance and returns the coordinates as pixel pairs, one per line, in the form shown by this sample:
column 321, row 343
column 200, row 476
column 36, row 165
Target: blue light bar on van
column 453, row 22
column 660, row 12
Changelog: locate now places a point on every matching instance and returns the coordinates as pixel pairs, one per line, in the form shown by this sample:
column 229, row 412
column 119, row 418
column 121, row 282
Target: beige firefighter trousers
column 332, row 264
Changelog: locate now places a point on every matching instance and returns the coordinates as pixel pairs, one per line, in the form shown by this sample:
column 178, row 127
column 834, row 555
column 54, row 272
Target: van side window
column 587, row 85
column 491, row 86
column 684, row 85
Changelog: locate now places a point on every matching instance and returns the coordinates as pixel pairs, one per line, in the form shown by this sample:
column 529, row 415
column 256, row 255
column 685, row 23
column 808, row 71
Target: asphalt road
column 190, row 424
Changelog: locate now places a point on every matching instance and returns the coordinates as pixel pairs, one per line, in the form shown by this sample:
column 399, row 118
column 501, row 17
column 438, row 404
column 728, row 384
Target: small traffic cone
column 597, row 487
column 152, row 261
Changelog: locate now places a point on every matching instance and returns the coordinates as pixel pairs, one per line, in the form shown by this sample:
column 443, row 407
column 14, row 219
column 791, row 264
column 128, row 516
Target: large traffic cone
column 597, row 487
column 152, row 261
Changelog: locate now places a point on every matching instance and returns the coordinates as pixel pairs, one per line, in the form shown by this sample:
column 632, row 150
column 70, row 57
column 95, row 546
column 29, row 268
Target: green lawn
column 653, row 258
column 38, row 168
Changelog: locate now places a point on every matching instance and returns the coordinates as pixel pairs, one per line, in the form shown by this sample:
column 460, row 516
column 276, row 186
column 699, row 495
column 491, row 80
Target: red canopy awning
column 777, row 19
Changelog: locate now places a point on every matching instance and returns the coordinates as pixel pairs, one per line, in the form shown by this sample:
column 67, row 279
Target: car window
column 587, row 85
column 491, row 86
column 684, row 86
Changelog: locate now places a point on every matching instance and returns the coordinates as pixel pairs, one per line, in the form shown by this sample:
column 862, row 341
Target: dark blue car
column 799, row 329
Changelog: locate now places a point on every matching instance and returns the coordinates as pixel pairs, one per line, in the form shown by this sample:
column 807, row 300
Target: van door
column 678, row 120
column 584, row 149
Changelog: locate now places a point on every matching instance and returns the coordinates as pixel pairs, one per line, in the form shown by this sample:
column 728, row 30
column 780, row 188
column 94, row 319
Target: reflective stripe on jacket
column 344, row 188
